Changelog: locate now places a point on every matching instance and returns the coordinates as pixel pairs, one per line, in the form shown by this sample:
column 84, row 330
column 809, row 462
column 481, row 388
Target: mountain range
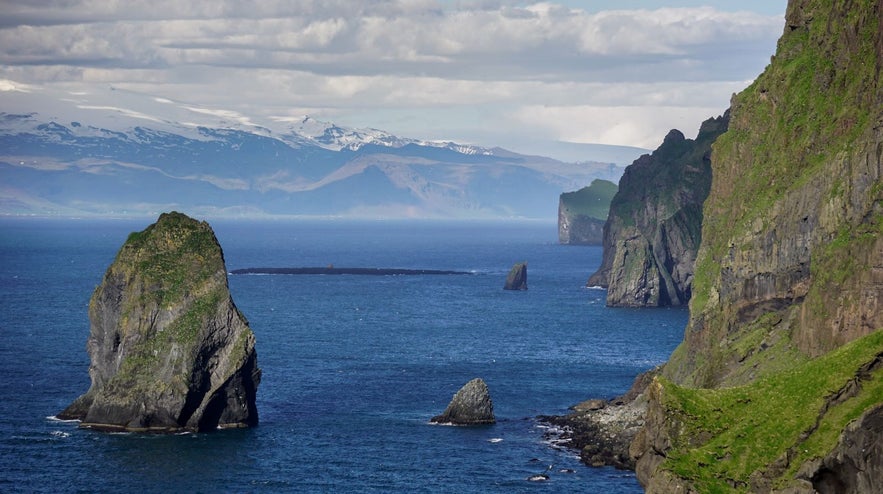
column 128, row 153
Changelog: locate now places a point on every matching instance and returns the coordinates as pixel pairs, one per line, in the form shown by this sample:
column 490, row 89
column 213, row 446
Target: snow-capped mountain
column 331, row 136
column 69, row 156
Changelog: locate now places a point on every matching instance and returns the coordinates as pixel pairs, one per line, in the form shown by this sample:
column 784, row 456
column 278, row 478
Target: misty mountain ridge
column 139, row 155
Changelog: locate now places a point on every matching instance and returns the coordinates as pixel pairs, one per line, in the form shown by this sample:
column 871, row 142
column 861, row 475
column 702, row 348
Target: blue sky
column 492, row 72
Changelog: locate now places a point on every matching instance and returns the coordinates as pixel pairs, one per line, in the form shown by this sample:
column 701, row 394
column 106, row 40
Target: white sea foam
column 53, row 418
column 495, row 440
column 595, row 287
column 60, row 434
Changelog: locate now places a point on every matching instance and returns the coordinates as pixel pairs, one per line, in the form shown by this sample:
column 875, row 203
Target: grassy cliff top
column 172, row 256
column 730, row 438
column 592, row 201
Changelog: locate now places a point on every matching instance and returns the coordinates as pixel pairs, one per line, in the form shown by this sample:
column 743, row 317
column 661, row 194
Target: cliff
column 652, row 233
column 169, row 350
column 582, row 213
column 780, row 368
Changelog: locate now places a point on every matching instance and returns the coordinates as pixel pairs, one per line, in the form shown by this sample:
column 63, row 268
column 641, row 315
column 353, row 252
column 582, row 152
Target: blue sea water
column 353, row 366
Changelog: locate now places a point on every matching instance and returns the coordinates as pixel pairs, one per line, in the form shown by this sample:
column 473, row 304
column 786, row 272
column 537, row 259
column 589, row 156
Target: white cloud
column 639, row 125
column 122, row 111
column 7, row 85
column 489, row 60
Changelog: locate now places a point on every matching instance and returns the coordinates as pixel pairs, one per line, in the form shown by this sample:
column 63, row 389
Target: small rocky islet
column 471, row 405
column 517, row 277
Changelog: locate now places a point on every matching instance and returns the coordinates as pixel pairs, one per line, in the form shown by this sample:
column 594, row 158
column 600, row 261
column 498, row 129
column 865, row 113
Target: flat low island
column 356, row 271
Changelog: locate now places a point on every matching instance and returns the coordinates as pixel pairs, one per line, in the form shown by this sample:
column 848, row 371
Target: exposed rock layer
column 169, row 350
column 653, row 230
column 471, row 405
column 578, row 229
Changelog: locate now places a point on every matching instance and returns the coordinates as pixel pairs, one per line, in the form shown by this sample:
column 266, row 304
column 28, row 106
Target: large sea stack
column 169, row 350
column 653, row 230
column 779, row 380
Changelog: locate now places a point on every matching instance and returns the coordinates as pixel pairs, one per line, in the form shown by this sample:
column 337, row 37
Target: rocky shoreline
column 602, row 430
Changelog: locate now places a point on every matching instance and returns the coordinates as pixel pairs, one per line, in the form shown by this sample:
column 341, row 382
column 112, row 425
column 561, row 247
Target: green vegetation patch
column 592, row 201
column 728, row 434
column 172, row 256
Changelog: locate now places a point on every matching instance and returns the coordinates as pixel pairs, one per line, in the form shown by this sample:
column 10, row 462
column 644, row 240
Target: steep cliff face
column 582, row 213
column 652, row 233
column 793, row 220
column 784, row 346
column 169, row 350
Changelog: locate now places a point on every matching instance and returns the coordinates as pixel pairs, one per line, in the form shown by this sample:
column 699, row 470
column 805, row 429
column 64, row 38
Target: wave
column 53, row 418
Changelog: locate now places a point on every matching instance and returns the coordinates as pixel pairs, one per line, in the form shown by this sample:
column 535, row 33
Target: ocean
column 353, row 366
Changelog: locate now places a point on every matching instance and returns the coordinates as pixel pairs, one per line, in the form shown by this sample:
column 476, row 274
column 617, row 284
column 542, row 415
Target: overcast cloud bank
column 491, row 72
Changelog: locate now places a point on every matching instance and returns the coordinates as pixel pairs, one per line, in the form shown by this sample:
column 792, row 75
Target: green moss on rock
column 759, row 435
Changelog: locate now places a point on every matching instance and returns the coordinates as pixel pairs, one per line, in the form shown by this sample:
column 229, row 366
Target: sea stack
column 169, row 349
column 471, row 405
column 517, row 279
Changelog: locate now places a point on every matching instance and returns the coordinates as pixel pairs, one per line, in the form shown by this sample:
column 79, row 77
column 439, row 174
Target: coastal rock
column 517, row 278
column 471, row 405
column 653, row 229
column 603, row 430
column 169, row 349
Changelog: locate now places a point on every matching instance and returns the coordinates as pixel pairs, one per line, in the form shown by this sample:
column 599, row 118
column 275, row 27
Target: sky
column 515, row 74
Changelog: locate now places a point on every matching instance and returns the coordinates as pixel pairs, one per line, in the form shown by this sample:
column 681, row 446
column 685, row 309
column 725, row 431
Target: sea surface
column 353, row 366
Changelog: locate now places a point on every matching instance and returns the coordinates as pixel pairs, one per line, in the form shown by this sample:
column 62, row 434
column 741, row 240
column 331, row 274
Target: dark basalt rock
column 856, row 464
column 471, row 405
column 517, row 278
column 653, row 231
column 603, row 430
column 169, row 350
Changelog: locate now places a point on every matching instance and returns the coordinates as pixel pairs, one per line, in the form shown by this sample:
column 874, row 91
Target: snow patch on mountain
column 336, row 138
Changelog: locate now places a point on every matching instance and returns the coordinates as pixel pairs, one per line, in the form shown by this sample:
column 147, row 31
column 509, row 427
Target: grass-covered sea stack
column 169, row 350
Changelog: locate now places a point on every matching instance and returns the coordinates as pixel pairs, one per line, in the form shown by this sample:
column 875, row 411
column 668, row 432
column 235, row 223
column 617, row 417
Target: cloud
column 638, row 125
column 347, row 60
